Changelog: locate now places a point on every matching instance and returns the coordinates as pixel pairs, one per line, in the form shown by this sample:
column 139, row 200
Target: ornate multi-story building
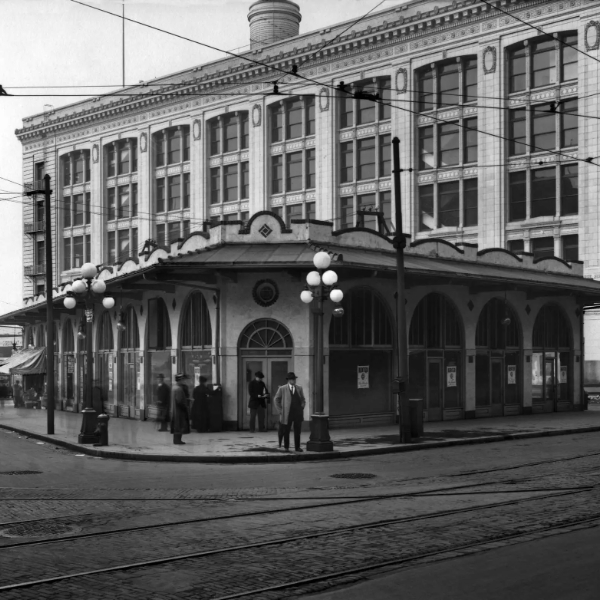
column 204, row 195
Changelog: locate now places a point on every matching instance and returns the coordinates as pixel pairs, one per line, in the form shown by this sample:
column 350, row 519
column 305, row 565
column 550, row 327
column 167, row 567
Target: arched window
column 159, row 334
column 498, row 360
column 435, row 360
column 130, row 336
column 196, row 330
column 551, row 360
column 365, row 322
column 159, row 353
column 265, row 336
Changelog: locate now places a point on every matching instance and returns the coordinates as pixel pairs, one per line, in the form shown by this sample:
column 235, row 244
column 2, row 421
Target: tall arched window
column 159, row 353
column 498, row 361
column 551, row 361
column 435, row 360
column 68, row 362
column 361, row 342
column 196, row 338
column 105, row 357
column 130, row 365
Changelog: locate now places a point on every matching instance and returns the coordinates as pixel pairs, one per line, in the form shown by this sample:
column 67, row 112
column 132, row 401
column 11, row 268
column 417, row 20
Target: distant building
column 229, row 185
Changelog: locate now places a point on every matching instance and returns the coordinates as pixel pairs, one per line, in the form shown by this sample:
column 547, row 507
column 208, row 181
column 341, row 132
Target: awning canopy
column 29, row 361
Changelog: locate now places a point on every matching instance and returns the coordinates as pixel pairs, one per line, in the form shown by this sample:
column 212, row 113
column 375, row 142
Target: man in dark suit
column 290, row 403
column 163, row 399
column 257, row 390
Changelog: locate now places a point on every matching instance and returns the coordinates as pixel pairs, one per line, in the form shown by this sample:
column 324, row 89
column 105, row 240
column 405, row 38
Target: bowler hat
column 180, row 376
column 291, row 375
column 259, row 374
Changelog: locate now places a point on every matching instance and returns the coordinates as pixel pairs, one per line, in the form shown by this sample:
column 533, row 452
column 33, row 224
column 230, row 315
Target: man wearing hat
column 290, row 403
column 200, row 414
column 257, row 390
column 180, row 411
column 163, row 399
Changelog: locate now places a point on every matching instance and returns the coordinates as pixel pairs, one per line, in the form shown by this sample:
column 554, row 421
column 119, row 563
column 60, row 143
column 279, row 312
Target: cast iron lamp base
column 319, row 434
column 88, row 426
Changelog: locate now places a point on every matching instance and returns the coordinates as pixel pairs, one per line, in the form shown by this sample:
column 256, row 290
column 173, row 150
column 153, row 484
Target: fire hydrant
column 102, row 430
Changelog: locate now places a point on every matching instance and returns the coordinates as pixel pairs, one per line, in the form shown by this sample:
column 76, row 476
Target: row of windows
column 75, row 167
column 167, row 233
column 172, row 146
column 356, row 109
column 450, row 204
column 230, row 183
column 306, row 210
column 351, row 207
column 366, row 158
column 121, row 157
column 293, row 172
column 76, row 251
column 545, row 246
column 447, row 83
column 122, row 202
column 448, row 144
column 542, row 127
column 292, row 119
column 229, row 133
column 173, row 193
column 76, row 210
column 122, row 244
column 548, row 192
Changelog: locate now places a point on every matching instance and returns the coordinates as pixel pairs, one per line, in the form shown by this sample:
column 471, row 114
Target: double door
column 274, row 369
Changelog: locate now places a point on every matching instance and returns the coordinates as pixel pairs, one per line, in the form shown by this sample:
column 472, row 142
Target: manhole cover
column 20, row 472
column 354, row 475
column 43, row 529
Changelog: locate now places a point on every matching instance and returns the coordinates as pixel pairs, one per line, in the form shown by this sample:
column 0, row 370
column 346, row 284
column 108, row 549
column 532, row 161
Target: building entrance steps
column 141, row 440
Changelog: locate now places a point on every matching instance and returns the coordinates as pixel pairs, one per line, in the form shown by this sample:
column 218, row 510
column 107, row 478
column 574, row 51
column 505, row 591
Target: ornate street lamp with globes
column 88, row 289
column 321, row 286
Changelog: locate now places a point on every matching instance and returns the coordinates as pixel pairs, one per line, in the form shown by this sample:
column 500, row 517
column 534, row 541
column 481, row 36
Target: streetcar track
column 345, row 500
column 292, row 539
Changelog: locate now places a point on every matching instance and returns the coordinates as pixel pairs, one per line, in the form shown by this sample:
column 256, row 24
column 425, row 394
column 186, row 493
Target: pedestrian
column 163, row 399
column 290, row 403
column 257, row 390
column 180, row 410
column 17, row 394
column 200, row 413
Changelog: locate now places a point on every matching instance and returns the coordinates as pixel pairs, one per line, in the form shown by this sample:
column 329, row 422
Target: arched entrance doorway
column 498, row 377
column 196, row 339
column 435, row 360
column 551, row 361
column 361, row 342
column 159, row 352
column 265, row 345
column 129, row 345
column 105, row 358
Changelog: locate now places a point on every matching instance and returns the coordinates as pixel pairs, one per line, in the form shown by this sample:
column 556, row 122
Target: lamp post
column 321, row 286
column 88, row 288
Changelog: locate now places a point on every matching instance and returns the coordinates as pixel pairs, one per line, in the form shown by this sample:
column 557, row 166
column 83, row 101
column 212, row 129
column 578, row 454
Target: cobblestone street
column 104, row 530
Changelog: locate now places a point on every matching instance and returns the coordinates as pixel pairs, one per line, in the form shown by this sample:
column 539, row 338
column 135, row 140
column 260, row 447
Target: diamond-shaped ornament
column 265, row 231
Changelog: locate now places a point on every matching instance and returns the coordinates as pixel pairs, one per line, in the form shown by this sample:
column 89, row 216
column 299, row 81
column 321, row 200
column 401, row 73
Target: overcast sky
column 61, row 43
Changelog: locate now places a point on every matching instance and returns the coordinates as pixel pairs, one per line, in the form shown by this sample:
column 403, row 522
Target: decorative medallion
column 197, row 129
column 256, row 115
column 95, row 153
column 143, row 142
column 265, row 292
column 592, row 36
column 324, row 100
column 489, row 60
column 265, row 231
column 401, row 80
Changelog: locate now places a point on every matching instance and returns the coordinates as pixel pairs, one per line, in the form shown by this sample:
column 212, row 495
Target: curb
column 286, row 458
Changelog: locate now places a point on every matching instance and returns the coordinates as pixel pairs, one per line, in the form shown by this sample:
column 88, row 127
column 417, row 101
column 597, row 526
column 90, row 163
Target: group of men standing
column 175, row 407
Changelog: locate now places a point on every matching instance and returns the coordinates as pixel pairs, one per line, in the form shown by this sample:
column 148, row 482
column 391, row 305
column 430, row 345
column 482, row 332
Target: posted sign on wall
column 512, row 374
column 450, row 376
column 363, row 377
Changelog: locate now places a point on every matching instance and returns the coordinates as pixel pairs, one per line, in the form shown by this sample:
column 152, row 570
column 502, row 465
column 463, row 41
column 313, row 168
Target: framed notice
column 363, row 377
column 563, row 374
column 511, row 371
column 196, row 376
column 450, row 377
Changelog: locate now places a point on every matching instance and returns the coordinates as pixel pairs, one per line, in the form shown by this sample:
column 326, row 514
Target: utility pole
column 399, row 245
column 49, row 306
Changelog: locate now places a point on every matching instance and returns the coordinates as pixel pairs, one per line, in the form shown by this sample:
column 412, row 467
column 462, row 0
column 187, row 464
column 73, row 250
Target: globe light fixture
column 70, row 302
column 322, row 260
column 313, row 278
column 338, row 312
column 108, row 303
column 79, row 286
column 306, row 296
column 89, row 271
column 98, row 287
column 336, row 295
column 330, row 278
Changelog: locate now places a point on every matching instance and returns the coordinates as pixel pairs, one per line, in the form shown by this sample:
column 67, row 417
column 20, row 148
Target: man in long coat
column 200, row 414
column 180, row 409
column 163, row 399
column 289, row 401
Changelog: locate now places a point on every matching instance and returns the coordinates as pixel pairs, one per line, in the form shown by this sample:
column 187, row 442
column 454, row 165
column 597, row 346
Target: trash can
column 416, row 417
column 215, row 409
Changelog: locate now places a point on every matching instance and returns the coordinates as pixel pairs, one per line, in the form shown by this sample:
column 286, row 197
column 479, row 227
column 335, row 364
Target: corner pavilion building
column 204, row 203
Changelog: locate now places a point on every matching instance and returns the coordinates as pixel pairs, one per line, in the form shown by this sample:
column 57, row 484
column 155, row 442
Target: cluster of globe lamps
column 81, row 286
column 326, row 277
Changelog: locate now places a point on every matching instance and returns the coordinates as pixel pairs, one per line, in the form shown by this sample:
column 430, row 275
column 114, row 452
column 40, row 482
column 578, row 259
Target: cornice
column 375, row 41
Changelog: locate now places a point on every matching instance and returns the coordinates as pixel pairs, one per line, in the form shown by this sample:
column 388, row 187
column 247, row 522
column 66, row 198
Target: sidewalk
column 140, row 440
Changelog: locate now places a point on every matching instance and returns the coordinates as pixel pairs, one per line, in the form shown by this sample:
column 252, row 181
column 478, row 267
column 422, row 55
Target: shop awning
column 30, row 361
